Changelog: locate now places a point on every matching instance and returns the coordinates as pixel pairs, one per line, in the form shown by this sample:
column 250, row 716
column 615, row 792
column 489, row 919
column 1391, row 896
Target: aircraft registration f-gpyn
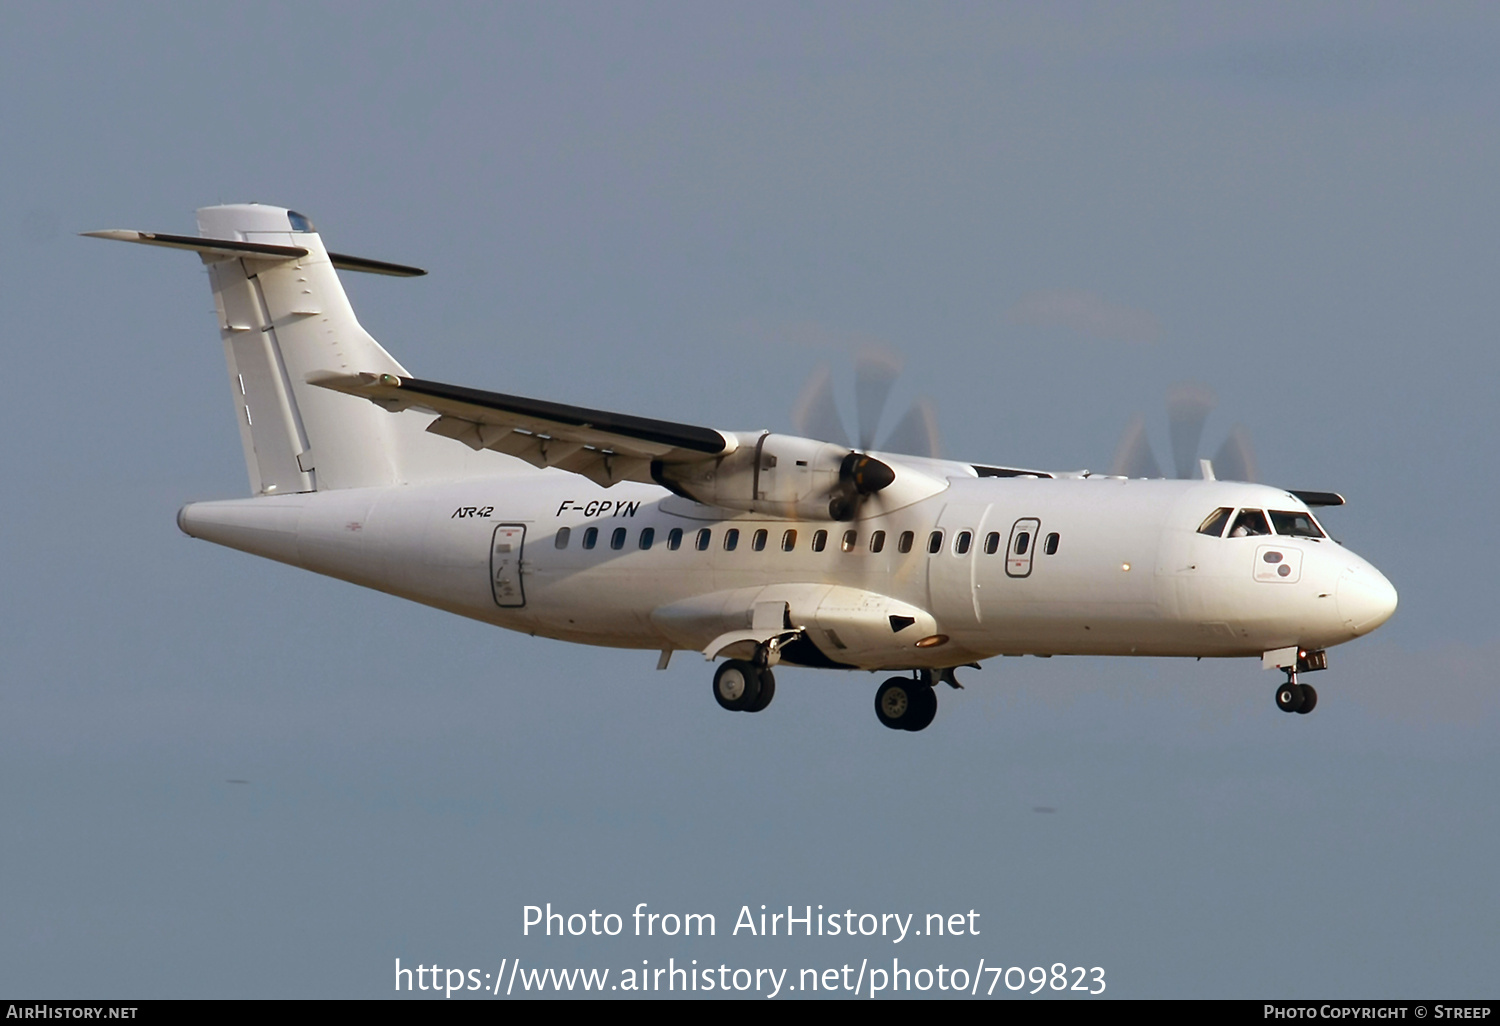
column 630, row 532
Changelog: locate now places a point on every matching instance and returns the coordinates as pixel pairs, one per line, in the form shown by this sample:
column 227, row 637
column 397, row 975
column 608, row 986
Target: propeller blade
column 1188, row 407
column 816, row 414
column 916, row 434
column 1236, row 458
column 874, row 374
column 1133, row 456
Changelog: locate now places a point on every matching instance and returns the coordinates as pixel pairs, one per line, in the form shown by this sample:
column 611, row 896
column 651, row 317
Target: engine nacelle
column 799, row 479
column 775, row 475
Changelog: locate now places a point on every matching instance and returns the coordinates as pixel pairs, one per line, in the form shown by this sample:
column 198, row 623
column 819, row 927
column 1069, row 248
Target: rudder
column 281, row 319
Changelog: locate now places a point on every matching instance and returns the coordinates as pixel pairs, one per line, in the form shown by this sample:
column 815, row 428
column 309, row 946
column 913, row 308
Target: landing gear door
column 505, row 565
column 1023, row 543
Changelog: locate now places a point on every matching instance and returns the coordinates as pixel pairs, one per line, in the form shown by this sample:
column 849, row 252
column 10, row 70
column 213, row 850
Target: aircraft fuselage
column 1108, row 567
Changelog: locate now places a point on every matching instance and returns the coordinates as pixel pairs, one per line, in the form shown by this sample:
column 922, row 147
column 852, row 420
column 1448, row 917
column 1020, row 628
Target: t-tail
column 283, row 317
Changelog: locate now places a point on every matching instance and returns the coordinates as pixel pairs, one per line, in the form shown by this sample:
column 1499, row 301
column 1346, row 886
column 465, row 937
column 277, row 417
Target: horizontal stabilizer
column 217, row 247
column 345, row 262
column 233, row 248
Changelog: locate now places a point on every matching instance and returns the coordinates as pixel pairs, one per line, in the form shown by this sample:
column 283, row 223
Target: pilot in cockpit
column 1249, row 522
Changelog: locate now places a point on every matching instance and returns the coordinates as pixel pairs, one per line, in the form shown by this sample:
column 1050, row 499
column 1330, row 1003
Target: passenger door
column 505, row 565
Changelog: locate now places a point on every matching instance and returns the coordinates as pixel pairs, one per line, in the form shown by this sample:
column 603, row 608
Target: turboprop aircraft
column 755, row 547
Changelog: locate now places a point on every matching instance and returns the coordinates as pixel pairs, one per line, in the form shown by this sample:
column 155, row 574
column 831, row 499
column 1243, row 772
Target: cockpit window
column 1249, row 522
column 1296, row 525
column 299, row 222
column 1214, row 523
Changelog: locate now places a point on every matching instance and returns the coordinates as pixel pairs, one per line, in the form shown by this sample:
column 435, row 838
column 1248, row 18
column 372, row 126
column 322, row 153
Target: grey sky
column 681, row 210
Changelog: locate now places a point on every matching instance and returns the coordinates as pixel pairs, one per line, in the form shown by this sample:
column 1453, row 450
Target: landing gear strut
column 906, row 703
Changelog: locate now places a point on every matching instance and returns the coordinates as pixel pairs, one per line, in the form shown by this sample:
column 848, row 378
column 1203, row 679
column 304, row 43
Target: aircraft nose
column 1365, row 598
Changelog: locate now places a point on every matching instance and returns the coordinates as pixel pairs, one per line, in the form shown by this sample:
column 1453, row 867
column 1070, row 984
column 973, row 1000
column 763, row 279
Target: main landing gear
column 907, row 703
column 742, row 686
column 901, row 703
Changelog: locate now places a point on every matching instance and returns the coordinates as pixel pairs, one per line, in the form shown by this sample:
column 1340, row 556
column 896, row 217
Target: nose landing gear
column 1293, row 697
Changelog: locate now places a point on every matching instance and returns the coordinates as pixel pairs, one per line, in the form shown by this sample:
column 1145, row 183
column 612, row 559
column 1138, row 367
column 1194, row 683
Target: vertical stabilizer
column 282, row 319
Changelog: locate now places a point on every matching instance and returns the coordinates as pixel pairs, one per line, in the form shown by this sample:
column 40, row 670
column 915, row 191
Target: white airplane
column 631, row 532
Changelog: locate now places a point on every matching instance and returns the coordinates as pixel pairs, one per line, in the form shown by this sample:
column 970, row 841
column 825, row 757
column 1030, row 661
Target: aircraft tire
column 1289, row 697
column 923, row 708
column 767, row 692
column 737, row 685
column 894, row 701
column 1309, row 699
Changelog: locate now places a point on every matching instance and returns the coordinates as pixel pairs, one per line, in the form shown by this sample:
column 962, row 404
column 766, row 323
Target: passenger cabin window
column 877, row 541
column 758, row 540
column 1295, row 525
column 1249, row 523
column 704, row 537
column 617, row 539
column 590, row 537
column 963, row 541
column 563, row 534
column 935, row 543
column 789, row 541
column 820, row 541
column 851, row 539
column 1050, row 548
column 903, row 544
column 648, row 535
column 1023, row 542
column 674, row 539
column 992, row 543
column 1214, row 523
column 731, row 539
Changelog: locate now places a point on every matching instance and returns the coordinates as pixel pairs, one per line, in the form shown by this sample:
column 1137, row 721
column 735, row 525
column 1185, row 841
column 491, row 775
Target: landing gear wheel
column 1309, row 699
column 1290, row 697
column 896, row 700
column 923, row 708
column 767, row 692
column 737, row 685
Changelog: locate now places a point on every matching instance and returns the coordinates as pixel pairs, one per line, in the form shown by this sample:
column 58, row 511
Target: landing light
column 933, row 641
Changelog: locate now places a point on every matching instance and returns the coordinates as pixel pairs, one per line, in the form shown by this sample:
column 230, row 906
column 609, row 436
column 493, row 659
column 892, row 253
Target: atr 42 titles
column 794, row 922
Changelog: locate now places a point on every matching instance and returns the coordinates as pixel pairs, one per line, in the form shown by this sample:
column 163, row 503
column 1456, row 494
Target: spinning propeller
column 861, row 475
column 1188, row 407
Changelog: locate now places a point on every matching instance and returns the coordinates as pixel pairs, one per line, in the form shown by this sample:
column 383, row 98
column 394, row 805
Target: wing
column 602, row 446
